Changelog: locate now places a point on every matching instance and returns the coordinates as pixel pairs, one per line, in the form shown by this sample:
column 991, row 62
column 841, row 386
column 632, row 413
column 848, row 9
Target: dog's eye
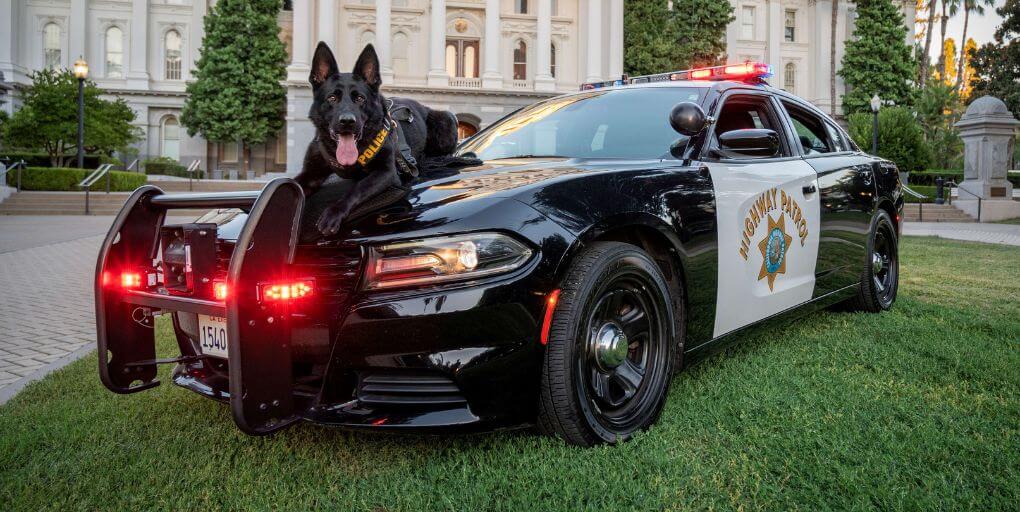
column 331, row 98
column 359, row 98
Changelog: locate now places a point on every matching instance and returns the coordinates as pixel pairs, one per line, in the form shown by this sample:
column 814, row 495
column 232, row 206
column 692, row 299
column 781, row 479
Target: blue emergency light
column 754, row 72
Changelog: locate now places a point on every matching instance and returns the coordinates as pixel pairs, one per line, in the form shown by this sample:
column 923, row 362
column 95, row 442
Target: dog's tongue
column 346, row 150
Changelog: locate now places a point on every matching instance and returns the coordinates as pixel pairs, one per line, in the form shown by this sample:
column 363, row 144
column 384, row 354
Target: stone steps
column 935, row 213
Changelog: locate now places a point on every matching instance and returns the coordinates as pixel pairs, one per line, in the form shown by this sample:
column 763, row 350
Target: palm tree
column 925, row 61
column 832, row 58
column 978, row 6
column 949, row 9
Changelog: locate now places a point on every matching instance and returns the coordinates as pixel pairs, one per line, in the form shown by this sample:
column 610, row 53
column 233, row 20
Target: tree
column 947, row 73
column 924, row 60
column 236, row 95
column 658, row 39
column 48, row 118
column 938, row 109
column 964, row 78
column 878, row 59
column 900, row 139
column 978, row 7
column 949, row 9
column 997, row 64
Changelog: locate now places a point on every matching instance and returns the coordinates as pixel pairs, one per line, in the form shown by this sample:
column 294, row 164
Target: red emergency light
column 754, row 72
column 130, row 280
column 220, row 290
column 281, row 292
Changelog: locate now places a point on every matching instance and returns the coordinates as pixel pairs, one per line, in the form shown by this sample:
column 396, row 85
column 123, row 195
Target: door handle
column 809, row 189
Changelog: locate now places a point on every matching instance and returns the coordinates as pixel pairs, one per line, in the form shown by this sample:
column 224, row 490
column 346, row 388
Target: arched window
column 462, row 58
column 552, row 60
column 790, row 77
column 400, row 54
column 51, row 45
column 521, row 61
column 114, row 52
column 521, row 6
column 170, row 138
column 172, row 55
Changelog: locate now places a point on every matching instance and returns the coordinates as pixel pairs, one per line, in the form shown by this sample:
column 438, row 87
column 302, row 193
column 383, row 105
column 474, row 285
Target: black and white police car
column 612, row 237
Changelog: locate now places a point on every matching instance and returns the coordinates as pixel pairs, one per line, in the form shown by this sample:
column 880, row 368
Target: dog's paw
column 331, row 220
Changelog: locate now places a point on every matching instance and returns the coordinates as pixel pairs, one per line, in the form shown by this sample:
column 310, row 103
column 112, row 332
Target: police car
column 612, row 237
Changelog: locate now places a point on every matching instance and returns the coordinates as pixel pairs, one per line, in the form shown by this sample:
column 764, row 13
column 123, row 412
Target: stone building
column 481, row 59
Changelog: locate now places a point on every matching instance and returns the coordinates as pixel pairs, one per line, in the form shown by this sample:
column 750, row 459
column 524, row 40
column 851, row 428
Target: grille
column 385, row 388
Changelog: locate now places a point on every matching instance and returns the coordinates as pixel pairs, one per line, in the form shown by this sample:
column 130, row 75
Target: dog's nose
column 346, row 119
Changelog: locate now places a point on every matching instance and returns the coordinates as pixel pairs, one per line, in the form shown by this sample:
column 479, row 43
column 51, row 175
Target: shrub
column 64, row 179
column 899, row 137
column 169, row 167
column 42, row 159
column 927, row 177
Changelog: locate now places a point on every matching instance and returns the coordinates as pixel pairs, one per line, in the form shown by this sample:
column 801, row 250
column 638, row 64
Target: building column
column 543, row 78
column 138, row 54
column 76, row 33
column 383, row 37
column 300, row 45
column 616, row 38
column 437, row 46
column 774, row 52
column 492, row 78
column 821, row 64
column 594, row 67
column 327, row 24
column 8, row 38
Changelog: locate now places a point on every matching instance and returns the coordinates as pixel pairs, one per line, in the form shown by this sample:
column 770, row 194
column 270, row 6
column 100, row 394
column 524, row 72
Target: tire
column 879, row 279
column 608, row 363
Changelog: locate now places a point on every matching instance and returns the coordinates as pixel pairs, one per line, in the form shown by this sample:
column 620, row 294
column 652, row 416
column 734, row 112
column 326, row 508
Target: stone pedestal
column 988, row 130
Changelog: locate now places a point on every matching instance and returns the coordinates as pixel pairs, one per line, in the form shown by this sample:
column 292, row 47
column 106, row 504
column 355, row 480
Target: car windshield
column 621, row 123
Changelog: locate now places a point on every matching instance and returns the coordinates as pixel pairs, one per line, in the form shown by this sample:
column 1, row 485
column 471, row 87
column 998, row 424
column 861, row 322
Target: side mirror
column 687, row 118
column 754, row 142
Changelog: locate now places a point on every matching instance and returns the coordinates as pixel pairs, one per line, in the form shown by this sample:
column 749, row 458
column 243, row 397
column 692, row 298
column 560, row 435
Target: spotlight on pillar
column 876, row 105
column 81, row 72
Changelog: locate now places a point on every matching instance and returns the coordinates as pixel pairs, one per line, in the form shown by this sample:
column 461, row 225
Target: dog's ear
column 323, row 65
column 367, row 67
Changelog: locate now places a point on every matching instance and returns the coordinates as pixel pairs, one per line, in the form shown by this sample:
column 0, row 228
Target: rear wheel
column 881, row 274
column 608, row 363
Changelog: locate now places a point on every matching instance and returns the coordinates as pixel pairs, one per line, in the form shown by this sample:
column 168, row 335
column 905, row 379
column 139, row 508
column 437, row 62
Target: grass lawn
column 1009, row 221
column 917, row 408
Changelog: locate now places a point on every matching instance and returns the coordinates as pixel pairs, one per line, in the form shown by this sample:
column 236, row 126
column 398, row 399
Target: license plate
column 212, row 335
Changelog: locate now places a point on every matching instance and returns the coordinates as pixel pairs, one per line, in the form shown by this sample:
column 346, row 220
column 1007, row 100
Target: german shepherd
column 356, row 136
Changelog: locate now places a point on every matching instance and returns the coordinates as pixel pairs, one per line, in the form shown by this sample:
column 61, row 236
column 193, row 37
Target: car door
column 767, row 213
column 846, row 195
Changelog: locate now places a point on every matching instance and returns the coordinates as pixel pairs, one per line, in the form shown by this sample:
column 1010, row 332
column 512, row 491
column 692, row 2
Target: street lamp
column 876, row 104
column 81, row 72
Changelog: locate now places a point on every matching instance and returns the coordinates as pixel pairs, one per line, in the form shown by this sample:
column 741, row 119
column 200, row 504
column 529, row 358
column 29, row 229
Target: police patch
column 776, row 242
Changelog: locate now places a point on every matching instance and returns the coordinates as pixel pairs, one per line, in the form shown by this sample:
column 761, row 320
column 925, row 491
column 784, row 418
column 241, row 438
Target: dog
column 357, row 137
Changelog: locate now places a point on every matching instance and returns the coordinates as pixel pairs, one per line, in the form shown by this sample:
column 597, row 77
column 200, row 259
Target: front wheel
column 880, row 276
column 608, row 363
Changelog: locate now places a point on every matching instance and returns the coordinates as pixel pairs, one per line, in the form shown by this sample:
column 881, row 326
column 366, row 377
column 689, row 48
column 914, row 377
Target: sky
column 981, row 28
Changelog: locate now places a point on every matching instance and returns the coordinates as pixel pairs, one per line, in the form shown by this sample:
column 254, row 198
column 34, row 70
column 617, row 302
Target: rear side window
column 815, row 135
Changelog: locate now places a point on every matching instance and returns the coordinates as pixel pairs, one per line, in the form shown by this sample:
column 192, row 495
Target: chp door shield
column 768, row 222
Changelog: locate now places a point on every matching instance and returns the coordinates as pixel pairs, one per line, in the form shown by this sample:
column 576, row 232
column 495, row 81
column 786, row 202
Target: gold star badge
column 773, row 250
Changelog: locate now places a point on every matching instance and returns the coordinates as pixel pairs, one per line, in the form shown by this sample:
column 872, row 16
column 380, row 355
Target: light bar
column 279, row 292
column 752, row 72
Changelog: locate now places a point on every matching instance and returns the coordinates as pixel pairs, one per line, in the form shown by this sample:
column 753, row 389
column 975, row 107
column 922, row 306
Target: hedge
column 39, row 159
column 928, row 177
column 167, row 167
column 63, row 179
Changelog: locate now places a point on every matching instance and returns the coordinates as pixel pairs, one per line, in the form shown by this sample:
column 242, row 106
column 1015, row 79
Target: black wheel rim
column 884, row 264
column 620, row 380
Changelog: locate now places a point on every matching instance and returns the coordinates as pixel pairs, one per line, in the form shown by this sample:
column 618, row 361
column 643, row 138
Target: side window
column 748, row 112
column 814, row 134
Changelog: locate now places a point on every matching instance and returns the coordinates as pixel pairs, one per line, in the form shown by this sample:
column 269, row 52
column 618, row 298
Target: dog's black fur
column 350, row 104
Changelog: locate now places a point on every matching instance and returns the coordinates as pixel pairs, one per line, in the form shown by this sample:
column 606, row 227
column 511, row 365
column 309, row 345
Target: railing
column 520, row 84
column 920, row 204
column 4, row 170
column 133, row 165
column 92, row 179
column 191, row 173
column 470, row 83
column 949, row 194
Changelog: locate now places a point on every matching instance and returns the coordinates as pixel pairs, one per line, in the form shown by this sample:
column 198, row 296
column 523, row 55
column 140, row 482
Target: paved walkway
column 47, row 318
column 1006, row 234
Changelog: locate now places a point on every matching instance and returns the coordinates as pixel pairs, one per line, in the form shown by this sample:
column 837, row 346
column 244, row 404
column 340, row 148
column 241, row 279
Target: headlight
column 444, row 259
